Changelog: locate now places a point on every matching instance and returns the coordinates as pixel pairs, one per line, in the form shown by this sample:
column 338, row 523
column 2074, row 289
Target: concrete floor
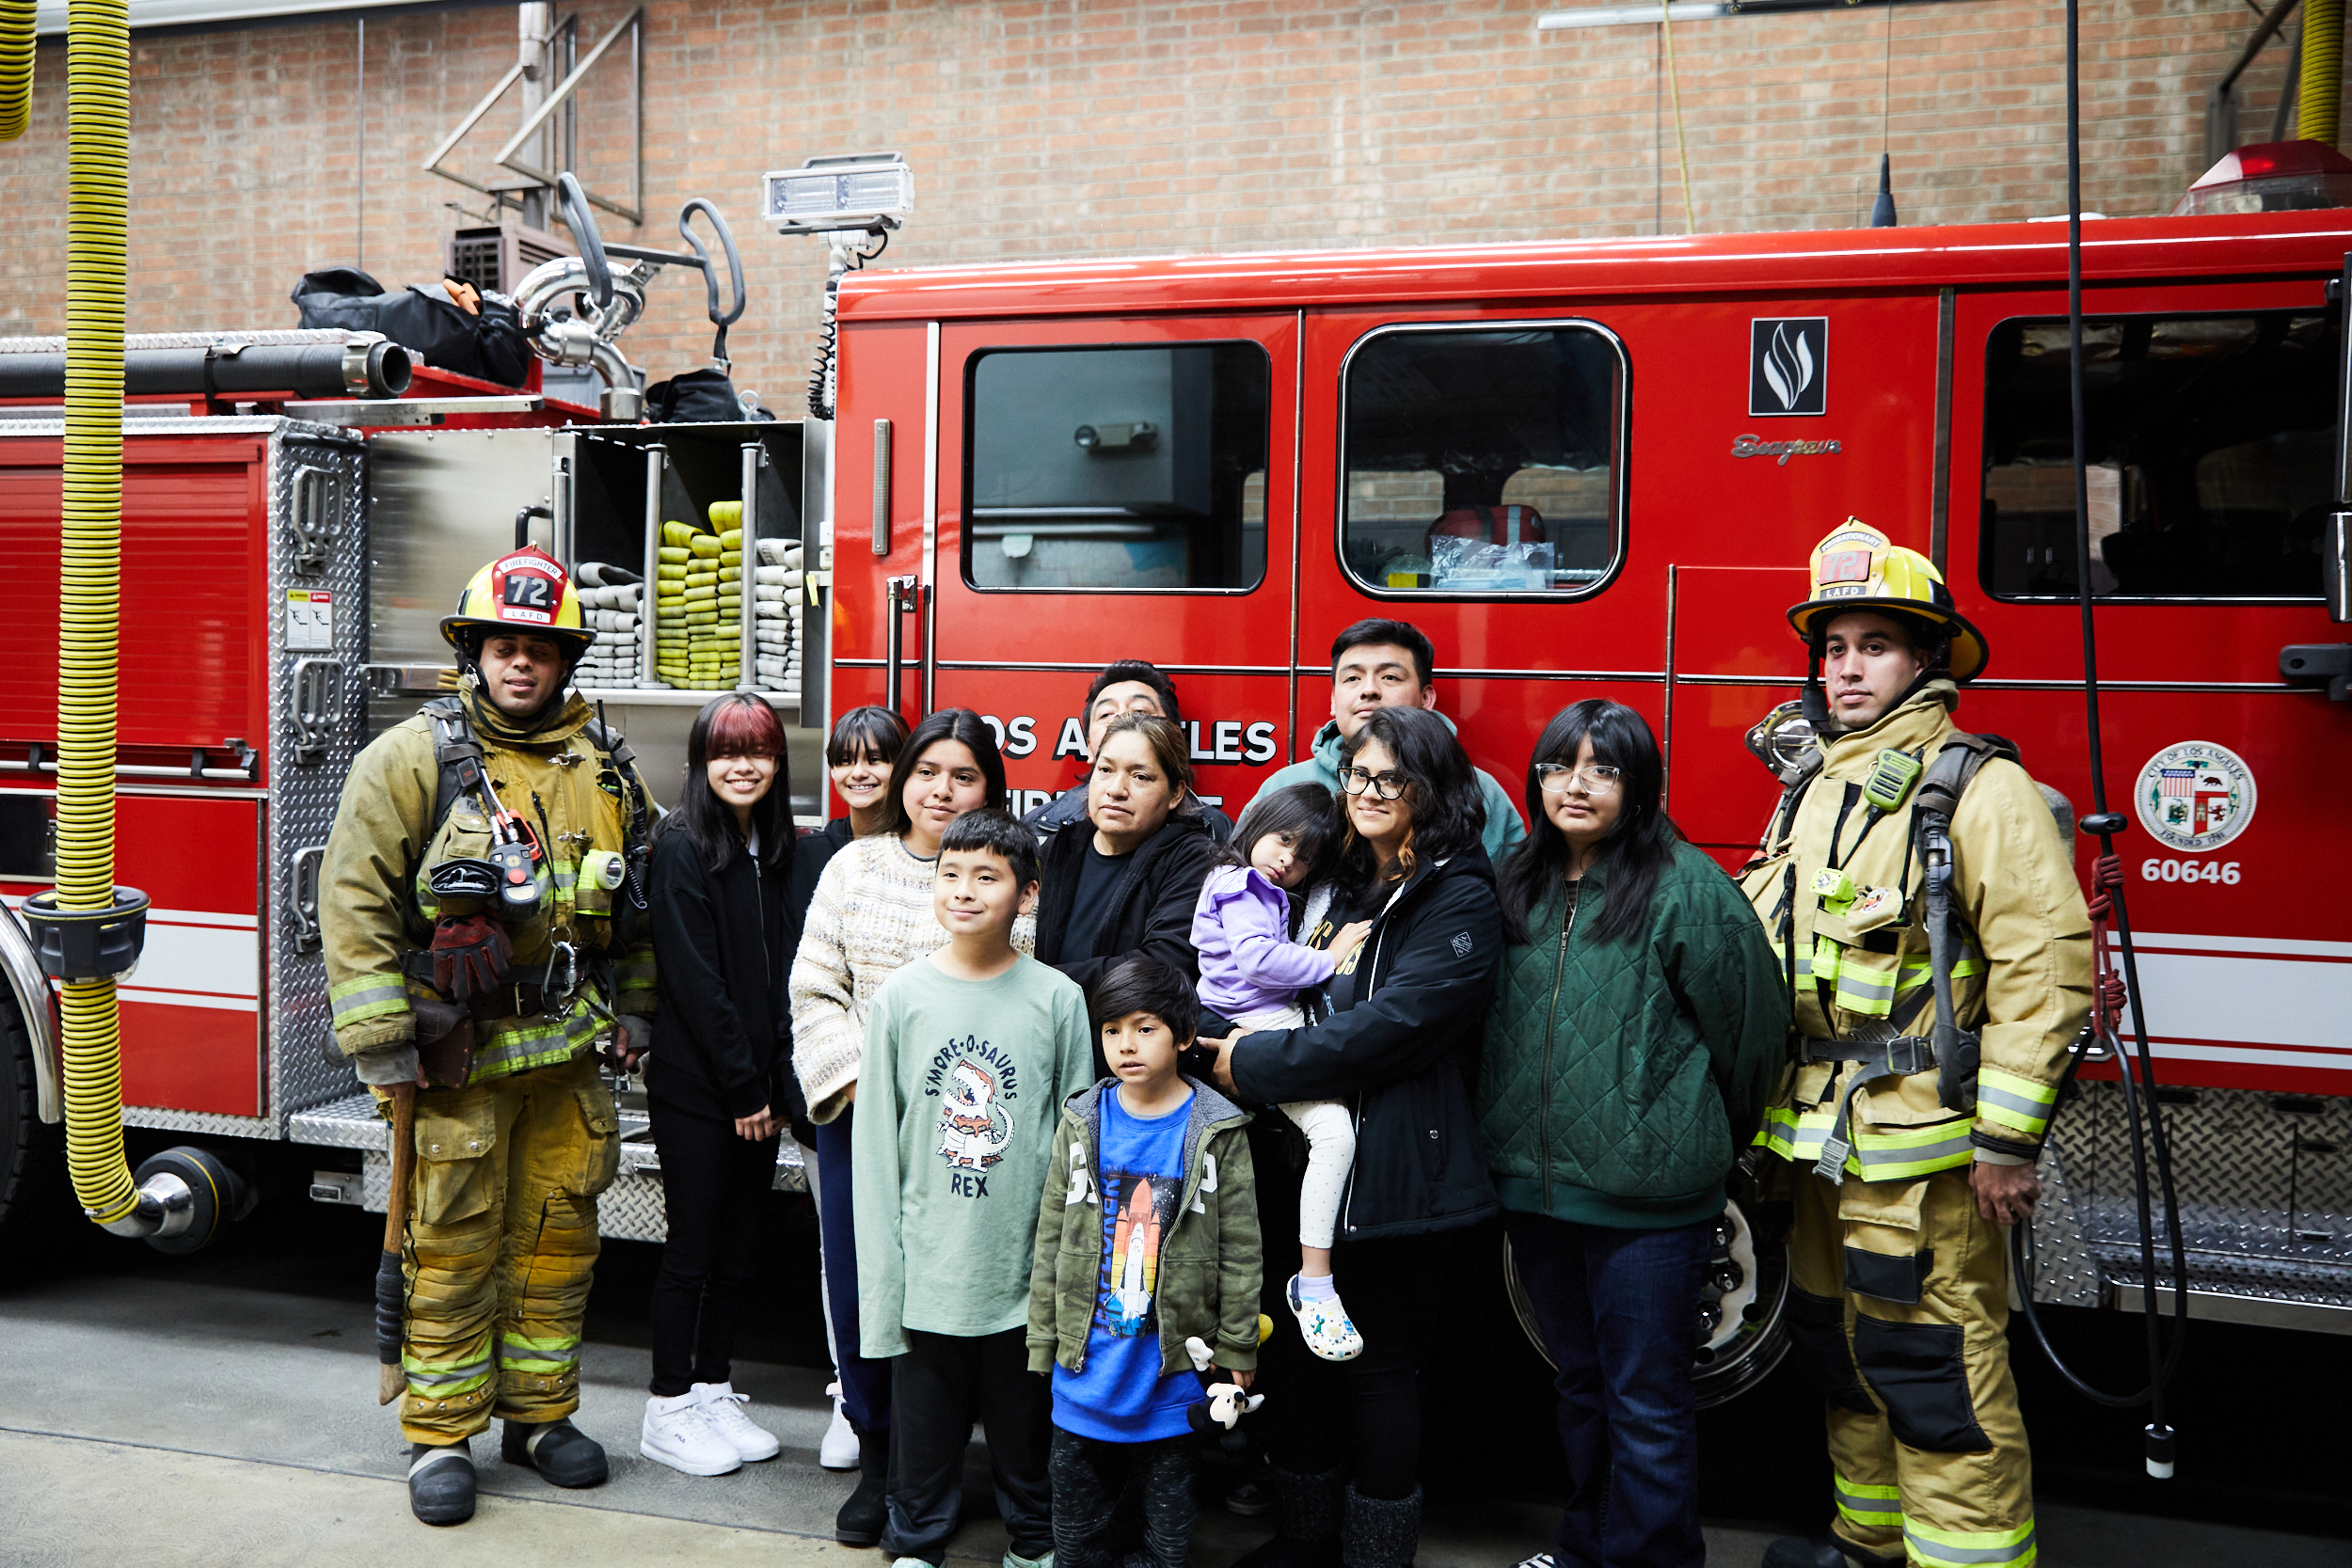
column 152, row 1422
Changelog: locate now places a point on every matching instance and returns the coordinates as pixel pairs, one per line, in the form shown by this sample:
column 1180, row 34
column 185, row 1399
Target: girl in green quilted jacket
column 1640, row 1023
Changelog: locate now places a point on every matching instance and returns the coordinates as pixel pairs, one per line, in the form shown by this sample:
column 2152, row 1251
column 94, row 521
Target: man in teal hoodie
column 1389, row 664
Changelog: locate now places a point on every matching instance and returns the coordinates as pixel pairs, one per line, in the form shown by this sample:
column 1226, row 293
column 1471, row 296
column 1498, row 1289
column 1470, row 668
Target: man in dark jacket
column 1125, row 685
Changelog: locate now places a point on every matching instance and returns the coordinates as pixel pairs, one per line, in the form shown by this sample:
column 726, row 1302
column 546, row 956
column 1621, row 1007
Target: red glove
column 471, row 955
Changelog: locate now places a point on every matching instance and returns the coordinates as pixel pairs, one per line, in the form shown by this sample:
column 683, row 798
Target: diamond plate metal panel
column 2265, row 1187
column 2065, row 1271
column 351, row 1122
column 318, row 478
column 631, row 1210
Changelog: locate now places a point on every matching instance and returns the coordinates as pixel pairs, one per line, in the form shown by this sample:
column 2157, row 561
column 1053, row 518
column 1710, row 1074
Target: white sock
column 1317, row 1287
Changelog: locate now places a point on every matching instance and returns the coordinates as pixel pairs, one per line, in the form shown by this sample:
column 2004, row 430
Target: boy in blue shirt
column 1147, row 1236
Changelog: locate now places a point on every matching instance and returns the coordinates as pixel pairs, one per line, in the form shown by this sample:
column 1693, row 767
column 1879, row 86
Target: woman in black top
column 1129, row 884
column 1399, row 1034
column 723, row 932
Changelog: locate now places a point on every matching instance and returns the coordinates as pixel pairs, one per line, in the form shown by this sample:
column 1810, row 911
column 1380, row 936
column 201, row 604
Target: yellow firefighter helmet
column 1858, row 568
column 523, row 592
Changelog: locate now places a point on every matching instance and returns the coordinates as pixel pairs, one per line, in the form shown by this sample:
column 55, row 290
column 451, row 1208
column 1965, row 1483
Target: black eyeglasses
column 1388, row 787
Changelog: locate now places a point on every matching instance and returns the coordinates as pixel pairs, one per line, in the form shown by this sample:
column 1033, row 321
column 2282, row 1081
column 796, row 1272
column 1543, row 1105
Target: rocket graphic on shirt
column 1134, row 1258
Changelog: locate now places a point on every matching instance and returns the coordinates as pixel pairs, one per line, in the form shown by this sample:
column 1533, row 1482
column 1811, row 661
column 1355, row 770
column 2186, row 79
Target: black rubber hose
column 304, row 370
column 2160, row 1364
column 582, row 223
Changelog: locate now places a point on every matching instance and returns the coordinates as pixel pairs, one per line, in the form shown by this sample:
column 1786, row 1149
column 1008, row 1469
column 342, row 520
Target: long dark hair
column 948, row 723
column 1441, row 787
column 732, row 724
column 1637, row 846
column 1304, row 810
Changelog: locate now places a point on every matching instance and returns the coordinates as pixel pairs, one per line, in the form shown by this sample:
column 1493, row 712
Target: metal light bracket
column 508, row 156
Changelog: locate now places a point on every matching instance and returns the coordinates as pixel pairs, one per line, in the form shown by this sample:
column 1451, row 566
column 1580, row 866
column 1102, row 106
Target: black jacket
column 1153, row 911
column 1070, row 807
column 1404, row 1050
column 722, row 946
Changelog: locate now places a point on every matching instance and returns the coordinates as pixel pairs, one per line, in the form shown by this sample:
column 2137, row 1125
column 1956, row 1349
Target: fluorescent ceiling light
column 1628, row 16
column 49, row 16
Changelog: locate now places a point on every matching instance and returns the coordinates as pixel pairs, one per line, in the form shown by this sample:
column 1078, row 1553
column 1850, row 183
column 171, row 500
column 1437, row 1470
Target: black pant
column 713, row 1185
column 937, row 1389
column 1091, row 1478
column 1363, row 1414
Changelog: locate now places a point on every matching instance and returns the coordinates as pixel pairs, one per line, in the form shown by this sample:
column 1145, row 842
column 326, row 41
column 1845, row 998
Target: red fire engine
column 1596, row 469
column 1588, row 468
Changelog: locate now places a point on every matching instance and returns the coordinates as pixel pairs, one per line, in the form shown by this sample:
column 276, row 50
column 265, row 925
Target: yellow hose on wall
column 97, row 118
column 2321, row 86
column 16, row 68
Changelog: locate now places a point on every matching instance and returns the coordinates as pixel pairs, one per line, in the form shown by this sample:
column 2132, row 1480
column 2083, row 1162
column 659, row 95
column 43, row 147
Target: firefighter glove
column 471, row 955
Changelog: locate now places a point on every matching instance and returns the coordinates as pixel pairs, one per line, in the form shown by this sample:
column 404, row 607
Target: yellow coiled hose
column 16, row 68
column 2316, row 95
column 98, row 116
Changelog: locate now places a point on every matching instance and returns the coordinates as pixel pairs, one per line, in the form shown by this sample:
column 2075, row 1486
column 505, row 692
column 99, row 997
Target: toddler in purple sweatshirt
column 1252, row 973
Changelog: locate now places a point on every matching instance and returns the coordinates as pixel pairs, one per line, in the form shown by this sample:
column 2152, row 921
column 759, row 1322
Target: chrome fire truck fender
column 30, row 989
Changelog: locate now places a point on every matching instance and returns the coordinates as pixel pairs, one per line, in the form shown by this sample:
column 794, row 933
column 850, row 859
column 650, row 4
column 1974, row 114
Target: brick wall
column 1051, row 127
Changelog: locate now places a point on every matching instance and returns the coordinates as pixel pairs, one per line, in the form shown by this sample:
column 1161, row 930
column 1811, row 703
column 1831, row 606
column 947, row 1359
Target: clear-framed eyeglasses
column 1388, row 785
column 1558, row 778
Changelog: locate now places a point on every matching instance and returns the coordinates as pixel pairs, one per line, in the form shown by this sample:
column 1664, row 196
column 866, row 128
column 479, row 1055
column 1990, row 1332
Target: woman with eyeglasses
column 1396, row 1035
column 1639, row 1027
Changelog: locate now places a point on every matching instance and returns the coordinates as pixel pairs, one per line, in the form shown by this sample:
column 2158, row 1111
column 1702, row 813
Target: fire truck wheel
column 32, row 1165
column 1740, row 1334
column 220, row 1196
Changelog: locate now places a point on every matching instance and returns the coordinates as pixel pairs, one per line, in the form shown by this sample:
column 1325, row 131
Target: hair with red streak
column 745, row 729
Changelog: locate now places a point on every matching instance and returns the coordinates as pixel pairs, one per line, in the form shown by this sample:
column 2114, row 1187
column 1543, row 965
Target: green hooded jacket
column 1210, row 1265
column 1622, row 1079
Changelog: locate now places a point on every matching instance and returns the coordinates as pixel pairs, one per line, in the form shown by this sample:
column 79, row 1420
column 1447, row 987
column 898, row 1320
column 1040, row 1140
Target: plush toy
column 1223, row 1403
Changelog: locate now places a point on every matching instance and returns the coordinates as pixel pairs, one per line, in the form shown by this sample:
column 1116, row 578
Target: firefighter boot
column 559, row 1450
column 1791, row 1552
column 442, row 1482
column 861, row 1519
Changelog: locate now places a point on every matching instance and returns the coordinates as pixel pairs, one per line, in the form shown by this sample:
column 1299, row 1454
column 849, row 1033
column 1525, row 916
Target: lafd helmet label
column 2195, row 795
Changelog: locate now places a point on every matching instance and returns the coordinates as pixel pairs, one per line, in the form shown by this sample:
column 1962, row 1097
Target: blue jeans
column 865, row 1382
column 1620, row 1314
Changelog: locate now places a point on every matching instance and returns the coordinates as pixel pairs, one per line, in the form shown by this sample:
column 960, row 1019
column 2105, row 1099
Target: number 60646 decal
column 2155, row 869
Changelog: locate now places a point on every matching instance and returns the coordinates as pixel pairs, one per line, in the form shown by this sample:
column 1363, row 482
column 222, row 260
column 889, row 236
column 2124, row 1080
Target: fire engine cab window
column 1133, row 468
column 1483, row 462
column 2211, row 442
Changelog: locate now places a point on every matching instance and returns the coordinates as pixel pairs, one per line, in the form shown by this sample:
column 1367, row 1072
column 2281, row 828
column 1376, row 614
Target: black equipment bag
column 698, row 397
column 425, row 322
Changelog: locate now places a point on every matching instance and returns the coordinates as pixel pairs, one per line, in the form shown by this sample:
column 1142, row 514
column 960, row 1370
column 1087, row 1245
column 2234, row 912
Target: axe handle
column 390, row 1379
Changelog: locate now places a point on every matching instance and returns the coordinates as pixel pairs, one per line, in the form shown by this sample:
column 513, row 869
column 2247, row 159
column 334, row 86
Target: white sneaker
column 678, row 1433
column 723, row 1408
column 839, row 1449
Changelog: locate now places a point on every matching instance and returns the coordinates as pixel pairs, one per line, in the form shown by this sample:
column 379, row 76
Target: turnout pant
column 937, row 1389
column 500, row 1247
column 1898, row 1305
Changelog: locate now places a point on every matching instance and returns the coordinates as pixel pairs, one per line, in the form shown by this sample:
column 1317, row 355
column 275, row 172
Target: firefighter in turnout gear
column 480, row 885
column 1911, row 1120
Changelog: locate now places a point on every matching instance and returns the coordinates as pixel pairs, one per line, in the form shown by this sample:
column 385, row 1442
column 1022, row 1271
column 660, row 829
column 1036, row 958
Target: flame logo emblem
column 1787, row 366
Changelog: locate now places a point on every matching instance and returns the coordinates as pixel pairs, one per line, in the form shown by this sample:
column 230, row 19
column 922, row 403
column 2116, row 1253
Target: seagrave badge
column 2195, row 795
column 1787, row 366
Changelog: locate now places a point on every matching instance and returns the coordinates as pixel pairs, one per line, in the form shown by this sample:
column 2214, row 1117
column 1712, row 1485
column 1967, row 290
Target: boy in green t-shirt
column 969, row 1055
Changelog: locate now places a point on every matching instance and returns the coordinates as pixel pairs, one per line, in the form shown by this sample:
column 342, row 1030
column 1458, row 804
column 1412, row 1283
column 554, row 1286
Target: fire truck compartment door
column 192, row 1036
column 1125, row 490
column 1730, row 658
